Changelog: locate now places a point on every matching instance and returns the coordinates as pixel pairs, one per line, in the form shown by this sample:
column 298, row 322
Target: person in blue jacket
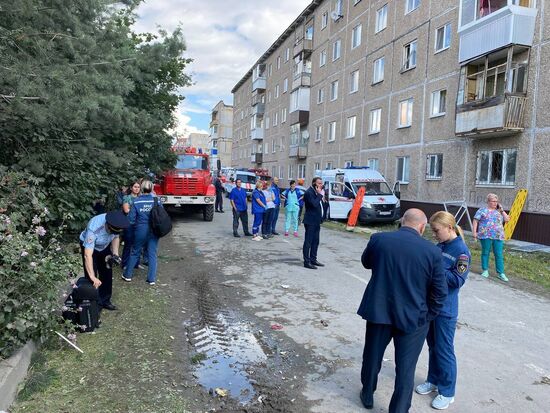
column 292, row 197
column 442, row 368
column 143, row 236
column 259, row 205
column 277, row 193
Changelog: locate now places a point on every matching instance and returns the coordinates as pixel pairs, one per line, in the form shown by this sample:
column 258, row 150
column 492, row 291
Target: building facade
column 221, row 134
column 446, row 97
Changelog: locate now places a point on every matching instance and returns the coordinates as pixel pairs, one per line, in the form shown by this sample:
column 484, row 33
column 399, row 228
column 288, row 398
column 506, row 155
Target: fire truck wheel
column 208, row 212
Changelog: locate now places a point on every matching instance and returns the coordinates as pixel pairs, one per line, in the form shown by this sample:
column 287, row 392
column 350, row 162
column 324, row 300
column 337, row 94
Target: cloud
column 224, row 37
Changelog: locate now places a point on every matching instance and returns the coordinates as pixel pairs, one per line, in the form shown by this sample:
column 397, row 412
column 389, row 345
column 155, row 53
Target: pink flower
column 8, row 221
column 36, row 220
column 41, row 231
column 72, row 337
column 33, row 264
column 24, row 253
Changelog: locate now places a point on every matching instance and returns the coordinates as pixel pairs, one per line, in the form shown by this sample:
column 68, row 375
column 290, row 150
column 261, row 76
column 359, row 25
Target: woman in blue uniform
column 259, row 205
column 442, row 368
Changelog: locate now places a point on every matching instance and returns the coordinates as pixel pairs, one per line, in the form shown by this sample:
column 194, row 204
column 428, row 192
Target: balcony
column 256, row 158
column 258, row 78
column 485, row 30
column 304, row 46
column 302, row 79
column 258, row 109
column 257, row 134
column 297, row 151
column 497, row 116
column 258, row 97
column 299, row 116
column 259, row 84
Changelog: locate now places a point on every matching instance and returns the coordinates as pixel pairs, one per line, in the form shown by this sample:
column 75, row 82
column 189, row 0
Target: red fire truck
column 189, row 184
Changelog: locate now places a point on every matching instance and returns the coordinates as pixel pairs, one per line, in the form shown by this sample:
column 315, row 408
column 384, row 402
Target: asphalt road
column 502, row 342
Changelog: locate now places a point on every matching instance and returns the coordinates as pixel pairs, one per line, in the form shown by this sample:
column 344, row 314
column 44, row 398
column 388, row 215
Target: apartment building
column 446, row 97
column 221, row 134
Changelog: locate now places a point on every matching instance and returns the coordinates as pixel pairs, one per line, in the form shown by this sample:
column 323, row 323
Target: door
column 340, row 205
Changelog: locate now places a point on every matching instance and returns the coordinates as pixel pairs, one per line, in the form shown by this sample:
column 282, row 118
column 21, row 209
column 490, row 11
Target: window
column 402, row 169
column 267, row 122
column 411, row 5
column 443, row 38
column 373, row 163
column 316, row 167
column 354, row 81
column 378, row 75
column 409, row 56
column 278, row 62
column 318, row 133
column 268, row 97
column 323, row 58
column 348, row 164
column 338, row 7
column 320, row 95
column 328, row 165
column 275, row 118
column 352, row 121
column 285, row 85
column 476, row 9
column 290, row 172
column 294, row 101
column 270, row 71
column 331, row 131
column 273, row 171
column 283, row 115
column 281, row 172
column 276, row 91
column 355, row 2
column 287, row 54
column 356, row 37
column 381, row 19
column 439, row 101
column 496, row 167
column 302, row 171
column 336, row 49
column 434, row 166
column 324, row 20
column 334, row 90
column 309, row 33
column 405, row 113
column 375, row 118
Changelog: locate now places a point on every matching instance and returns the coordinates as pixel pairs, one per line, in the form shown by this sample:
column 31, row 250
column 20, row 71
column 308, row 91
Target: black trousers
column 243, row 215
column 104, row 274
column 407, row 349
column 311, row 243
column 219, row 201
column 267, row 221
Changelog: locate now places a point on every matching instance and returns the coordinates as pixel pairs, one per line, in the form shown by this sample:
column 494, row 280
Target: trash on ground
column 324, row 322
column 221, row 392
column 285, row 286
column 276, row 327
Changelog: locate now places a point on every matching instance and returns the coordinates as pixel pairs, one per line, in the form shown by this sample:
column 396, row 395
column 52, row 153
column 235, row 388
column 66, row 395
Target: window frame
column 372, row 117
column 336, row 50
column 320, row 95
column 354, row 81
column 351, row 121
column 435, row 160
column 415, row 4
column 504, row 172
column 432, row 103
column 318, row 133
column 334, row 85
column 323, row 58
column 331, row 135
column 409, row 115
column 377, row 28
column 446, row 30
column 324, row 20
column 407, row 63
column 405, row 170
column 356, row 38
column 375, row 67
column 376, row 163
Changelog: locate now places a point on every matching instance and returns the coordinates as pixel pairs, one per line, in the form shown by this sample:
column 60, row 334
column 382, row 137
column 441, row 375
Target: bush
column 34, row 265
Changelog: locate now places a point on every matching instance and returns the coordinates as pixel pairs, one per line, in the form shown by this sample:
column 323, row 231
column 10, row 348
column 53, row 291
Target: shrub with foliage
column 34, row 265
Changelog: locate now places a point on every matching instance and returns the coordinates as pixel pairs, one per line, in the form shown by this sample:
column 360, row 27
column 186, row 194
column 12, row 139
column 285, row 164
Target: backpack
column 81, row 307
column 159, row 220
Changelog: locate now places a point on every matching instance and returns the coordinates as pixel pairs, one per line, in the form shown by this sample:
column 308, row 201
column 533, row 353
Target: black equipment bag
column 160, row 221
column 82, row 307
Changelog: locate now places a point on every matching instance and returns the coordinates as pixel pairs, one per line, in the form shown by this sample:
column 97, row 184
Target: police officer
column 219, row 193
column 143, row 236
column 442, row 369
column 102, row 232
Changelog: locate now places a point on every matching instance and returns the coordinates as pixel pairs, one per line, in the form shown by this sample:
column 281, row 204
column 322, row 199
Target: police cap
column 117, row 219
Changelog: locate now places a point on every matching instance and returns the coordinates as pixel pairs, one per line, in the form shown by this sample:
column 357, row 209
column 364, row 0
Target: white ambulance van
column 248, row 181
column 380, row 203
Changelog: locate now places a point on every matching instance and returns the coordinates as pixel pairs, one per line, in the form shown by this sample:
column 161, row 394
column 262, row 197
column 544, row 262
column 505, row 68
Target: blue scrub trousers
column 143, row 238
column 258, row 218
column 498, row 246
column 442, row 368
column 128, row 237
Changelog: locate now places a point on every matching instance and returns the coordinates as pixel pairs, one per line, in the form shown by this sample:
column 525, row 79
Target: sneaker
column 485, row 274
column 286, row 234
column 503, row 277
column 257, row 238
column 126, row 279
column 425, row 388
column 296, row 234
column 441, row 402
column 141, row 267
column 275, row 233
column 151, row 282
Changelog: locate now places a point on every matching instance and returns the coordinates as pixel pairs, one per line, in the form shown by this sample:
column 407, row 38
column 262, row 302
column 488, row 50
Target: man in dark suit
column 219, row 193
column 406, row 291
column 312, row 223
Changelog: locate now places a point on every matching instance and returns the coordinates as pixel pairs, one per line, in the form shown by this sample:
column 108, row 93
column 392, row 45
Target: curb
column 12, row 372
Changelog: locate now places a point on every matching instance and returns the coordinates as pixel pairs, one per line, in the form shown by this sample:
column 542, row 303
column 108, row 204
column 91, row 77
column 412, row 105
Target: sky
column 225, row 38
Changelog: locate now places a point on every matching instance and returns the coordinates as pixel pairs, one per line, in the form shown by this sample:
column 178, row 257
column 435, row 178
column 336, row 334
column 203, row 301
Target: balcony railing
column 258, row 109
column 257, row 133
column 498, row 116
column 303, row 45
column 256, row 158
column 297, row 151
column 301, row 79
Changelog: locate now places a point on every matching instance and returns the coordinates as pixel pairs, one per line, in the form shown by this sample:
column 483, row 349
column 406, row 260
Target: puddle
column 230, row 349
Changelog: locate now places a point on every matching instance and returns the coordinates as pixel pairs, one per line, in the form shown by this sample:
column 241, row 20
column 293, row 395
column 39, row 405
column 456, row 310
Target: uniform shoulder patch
column 462, row 263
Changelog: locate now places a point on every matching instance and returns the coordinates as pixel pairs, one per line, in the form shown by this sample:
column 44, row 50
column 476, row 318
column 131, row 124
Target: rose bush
column 34, row 265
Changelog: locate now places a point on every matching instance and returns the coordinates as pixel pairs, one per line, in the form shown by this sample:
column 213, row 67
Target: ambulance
column 247, row 178
column 380, row 203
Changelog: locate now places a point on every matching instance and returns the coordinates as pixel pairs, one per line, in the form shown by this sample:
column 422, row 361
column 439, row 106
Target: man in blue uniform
column 312, row 223
column 406, row 291
column 237, row 197
column 102, row 232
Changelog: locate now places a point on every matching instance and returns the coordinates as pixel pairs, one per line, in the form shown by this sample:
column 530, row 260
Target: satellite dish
column 335, row 15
